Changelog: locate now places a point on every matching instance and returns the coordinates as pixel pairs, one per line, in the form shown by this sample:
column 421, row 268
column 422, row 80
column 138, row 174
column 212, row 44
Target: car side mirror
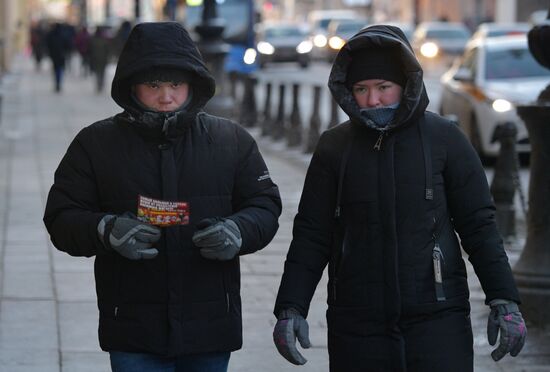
column 464, row 75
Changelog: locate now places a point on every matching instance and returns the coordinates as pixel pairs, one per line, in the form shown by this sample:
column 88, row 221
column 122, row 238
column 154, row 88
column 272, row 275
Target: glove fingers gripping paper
column 147, row 253
column 162, row 212
column 209, row 236
column 147, row 234
column 123, row 231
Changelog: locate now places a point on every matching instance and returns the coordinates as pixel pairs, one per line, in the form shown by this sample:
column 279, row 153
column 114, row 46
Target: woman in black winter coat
column 385, row 194
column 166, row 197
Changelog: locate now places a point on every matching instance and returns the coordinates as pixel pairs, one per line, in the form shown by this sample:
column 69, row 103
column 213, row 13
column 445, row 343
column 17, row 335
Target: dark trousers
column 58, row 76
column 442, row 342
column 141, row 362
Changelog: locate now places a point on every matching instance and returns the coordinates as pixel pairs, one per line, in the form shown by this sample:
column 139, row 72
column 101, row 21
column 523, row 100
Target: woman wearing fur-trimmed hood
column 384, row 196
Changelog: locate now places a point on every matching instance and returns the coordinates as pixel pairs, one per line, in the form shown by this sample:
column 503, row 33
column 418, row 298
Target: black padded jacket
column 179, row 302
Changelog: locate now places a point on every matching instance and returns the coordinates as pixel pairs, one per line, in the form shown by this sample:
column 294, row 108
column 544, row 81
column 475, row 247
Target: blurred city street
column 48, row 312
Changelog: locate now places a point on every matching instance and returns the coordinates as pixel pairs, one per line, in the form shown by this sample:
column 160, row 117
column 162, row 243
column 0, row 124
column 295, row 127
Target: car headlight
column 250, row 56
column 304, row 47
column 501, row 105
column 320, row 40
column 429, row 49
column 336, row 42
column 265, row 48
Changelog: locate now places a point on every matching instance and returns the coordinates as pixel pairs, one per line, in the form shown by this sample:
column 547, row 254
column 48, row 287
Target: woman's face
column 162, row 96
column 376, row 93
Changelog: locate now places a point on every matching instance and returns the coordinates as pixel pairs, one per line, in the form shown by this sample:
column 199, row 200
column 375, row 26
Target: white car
column 483, row 88
column 498, row 29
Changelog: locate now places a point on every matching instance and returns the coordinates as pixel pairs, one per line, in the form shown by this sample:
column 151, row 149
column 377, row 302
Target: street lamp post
column 532, row 271
column 214, row 49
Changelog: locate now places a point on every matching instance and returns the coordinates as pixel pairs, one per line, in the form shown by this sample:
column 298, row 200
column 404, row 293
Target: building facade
column 14, row 26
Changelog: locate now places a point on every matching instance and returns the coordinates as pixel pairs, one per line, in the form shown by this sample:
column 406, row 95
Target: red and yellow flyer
column 162, row 212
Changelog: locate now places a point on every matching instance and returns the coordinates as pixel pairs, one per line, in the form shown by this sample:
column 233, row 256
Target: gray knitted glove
column 128, row 236
column 218, row 238
column 291, row 325
column 506, row 317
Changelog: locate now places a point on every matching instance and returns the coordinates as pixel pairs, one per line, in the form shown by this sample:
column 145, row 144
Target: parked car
column 318, row 22
column 483, row 88
column 440, row 39
column 283, row 42
column 494, row 29
column 339, row 32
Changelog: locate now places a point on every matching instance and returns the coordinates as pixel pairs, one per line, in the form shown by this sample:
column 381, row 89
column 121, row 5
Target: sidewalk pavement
column 48, row 313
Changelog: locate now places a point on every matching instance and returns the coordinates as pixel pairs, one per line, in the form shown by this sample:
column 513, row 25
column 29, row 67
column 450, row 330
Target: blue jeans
column 138, row 362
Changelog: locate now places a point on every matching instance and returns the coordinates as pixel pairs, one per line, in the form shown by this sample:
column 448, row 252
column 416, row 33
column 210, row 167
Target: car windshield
column 323, row 23
column 283, row 32
column 512, row 64
column 350, row 27
column 447, row 34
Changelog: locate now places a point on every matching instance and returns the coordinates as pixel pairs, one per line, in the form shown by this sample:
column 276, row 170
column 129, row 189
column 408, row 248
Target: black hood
column 161, row 44
column 414, row 100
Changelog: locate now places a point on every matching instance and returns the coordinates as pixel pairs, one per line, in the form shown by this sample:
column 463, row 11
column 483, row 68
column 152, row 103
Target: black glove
column 218, row 238
column 505, row 316
column 128, row 236
column 291, row 325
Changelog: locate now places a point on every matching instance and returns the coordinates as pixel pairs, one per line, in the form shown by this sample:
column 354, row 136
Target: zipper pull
column 379, row 142
column 437, row 264
column 165, row 125
column 438, row 273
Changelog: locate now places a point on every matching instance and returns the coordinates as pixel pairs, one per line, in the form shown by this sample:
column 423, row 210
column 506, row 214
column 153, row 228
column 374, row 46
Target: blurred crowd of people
column 96, row 47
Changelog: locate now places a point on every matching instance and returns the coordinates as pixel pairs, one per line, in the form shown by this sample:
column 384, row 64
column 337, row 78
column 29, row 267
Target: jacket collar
column 159, row 125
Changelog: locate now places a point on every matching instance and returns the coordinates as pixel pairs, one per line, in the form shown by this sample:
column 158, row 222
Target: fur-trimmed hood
column 414, row 100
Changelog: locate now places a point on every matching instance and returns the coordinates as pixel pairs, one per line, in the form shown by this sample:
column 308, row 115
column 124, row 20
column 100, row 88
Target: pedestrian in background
column 59, row 45
column 166, row 197
column 385, row 194
column 100, row 52
column 38, row 42
column 82, row 45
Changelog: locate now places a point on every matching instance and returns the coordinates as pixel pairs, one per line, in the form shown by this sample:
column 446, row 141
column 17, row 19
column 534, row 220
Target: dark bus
column 239, row 16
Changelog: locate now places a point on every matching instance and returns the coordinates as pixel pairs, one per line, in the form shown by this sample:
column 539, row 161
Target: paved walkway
column 48, row 314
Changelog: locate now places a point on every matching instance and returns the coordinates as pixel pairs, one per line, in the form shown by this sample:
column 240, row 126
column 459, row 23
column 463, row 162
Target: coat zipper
column 438, row 260
column 225, row 289
column 378, row 143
